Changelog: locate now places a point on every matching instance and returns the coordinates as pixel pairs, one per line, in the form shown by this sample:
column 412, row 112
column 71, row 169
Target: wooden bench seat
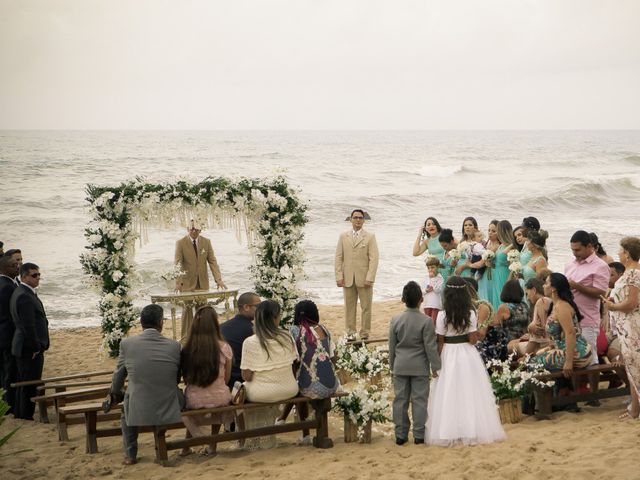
column 61, row 399
column 545, row 400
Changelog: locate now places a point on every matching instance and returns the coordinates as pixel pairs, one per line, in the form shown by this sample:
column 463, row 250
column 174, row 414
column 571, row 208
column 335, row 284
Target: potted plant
column 364, row 405
column 510, row 381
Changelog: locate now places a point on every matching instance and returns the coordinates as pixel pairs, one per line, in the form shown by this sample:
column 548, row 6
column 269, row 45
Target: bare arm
column 440, row 343
column 628, row 305
column 420, row 245
column 247, row 375
column 565, row 315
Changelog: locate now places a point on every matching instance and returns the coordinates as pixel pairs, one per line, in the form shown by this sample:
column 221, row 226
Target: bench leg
column 544, row 398
column 159, row 435
column 90, row 423
column 63, row 435
column 321, row 409
column 240, row 426
column 42, row 411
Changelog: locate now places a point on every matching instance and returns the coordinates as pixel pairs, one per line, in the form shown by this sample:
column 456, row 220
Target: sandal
column 627, row 415
column 185, row 451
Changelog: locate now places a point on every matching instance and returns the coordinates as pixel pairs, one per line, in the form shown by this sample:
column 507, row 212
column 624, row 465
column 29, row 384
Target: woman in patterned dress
column 625, row 305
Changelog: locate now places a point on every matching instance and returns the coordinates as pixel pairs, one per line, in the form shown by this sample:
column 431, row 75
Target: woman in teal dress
column 486, row 281
column 469, row 229
column 429, row 241
column 536, row 261
column 501, row 268
column 563, row 326
column 530, row 225
column 448, row 244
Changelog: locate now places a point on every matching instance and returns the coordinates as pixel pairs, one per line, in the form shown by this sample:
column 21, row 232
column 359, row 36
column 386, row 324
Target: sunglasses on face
column 35, row 275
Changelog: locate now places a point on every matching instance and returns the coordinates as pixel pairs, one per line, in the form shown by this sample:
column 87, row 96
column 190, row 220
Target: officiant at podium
column 194, row 253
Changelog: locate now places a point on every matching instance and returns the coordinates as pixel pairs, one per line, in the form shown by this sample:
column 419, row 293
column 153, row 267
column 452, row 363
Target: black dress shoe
column 400, row 441
column 418, row 441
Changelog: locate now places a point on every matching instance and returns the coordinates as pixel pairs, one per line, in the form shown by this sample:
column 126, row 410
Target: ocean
column 569, row 180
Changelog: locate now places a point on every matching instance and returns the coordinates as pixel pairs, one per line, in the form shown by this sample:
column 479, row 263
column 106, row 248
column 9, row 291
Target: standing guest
column 485, row 283
column 194, row 253
column 428, row 240
column 268, row 357
column 469, row 230
column 152, row 364
column 8, row 372
column 462, row 407
column 534, row 289
column 599, row 249
column 512, row 314
column 30, row 339
column 356, row 265
column 206, row 368
column 518, row 236
column 236, row 330
column 15, row 254
column 626, row 303
column 563, row 327
column 529, row 225
column 537, row 261
column 432, row 288
column 1, row 248
column 588, row 277
column 608, row 340
column 501, row 269
column 412, row 355
column 448, row 243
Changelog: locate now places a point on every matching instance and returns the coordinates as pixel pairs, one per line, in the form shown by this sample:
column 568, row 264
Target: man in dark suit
column 30, row 339
column 236, row 330
column 8, row 373
column 152, row 364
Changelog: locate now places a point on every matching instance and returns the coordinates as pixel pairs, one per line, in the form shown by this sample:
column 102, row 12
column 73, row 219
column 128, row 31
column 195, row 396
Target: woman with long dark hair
column 485, row 284
column 501, row 269
column 206, row 368
column 563, row 326
column 462, row 407
column 267, row 358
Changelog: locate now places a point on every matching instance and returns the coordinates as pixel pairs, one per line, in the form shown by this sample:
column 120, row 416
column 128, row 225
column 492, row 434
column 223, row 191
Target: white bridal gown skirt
column 462, row 408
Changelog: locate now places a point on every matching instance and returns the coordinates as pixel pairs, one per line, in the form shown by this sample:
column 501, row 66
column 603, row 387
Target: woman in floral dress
column 624, row 303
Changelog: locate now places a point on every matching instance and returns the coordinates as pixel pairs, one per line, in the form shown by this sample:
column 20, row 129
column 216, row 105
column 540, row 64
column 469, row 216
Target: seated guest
column 238, row 329
column 267, row 358
column 206, row 367
column 316, row 376
column 152, row 363
column 538, row 338
column 563, row 326
column 513, row 313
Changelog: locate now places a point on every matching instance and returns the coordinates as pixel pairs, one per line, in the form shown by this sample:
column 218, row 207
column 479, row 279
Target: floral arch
column 268, row 211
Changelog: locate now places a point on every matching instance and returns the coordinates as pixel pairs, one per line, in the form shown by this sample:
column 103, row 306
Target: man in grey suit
column 30, row 339
column 152, row 363
column 412, row 352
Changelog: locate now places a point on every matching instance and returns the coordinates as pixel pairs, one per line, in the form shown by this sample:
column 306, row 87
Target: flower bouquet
column 515, row 268
column 463, row 248
column 489, row 256
column 511, row 383
column 358, row 361
column 362, row 406
column 513, row 256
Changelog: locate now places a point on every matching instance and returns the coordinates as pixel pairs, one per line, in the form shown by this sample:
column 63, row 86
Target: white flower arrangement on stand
column 364, row 405
column 268, row 211
column 360, row 361
column 170, row 276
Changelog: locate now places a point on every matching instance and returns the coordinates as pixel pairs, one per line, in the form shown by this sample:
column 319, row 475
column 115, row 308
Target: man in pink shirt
column 588, row 277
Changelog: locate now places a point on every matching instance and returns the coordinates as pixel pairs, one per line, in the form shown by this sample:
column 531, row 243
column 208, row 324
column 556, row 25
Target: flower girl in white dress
column 462, row 408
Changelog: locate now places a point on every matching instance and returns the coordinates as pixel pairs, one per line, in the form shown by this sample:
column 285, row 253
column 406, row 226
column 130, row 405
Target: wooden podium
column 196, row 299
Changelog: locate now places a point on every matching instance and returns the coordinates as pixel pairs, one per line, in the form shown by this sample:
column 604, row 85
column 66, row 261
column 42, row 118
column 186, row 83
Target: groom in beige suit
column 356, row 266
column 194, row 253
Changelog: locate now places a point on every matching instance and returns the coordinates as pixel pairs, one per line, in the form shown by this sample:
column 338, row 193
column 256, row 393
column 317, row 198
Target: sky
column 319, row 64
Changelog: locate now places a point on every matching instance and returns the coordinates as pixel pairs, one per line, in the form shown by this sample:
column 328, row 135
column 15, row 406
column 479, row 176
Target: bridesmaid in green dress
column 428, row 240
column 536, row 243
column 529, row 226
column 485, row 283
column 469, row 229
column 501, row 269
column 448, row 244
column 518, row 234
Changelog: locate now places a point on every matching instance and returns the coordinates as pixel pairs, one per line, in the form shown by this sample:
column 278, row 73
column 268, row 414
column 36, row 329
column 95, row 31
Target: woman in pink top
column 206, row 368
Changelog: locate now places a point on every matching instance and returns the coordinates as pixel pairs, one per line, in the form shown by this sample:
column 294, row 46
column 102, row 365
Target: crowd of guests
column 24, row 331
column 249, row 353
column 586, row 315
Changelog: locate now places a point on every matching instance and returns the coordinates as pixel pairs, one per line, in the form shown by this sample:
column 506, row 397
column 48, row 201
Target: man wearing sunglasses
column 356, row 266
column 30, row 339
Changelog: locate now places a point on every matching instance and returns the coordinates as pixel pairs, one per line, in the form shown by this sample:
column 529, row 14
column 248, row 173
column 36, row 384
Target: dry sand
column 592, row 444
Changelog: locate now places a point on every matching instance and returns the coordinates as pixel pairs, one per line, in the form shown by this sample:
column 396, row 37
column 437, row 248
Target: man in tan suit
column 194, row 253
column 356, row 266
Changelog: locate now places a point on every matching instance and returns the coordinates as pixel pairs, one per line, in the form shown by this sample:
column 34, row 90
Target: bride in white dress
column 462, row 408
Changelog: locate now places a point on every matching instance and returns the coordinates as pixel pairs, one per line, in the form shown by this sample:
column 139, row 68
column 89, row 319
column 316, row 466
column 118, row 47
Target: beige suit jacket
column 356, row 262
column 195, row 267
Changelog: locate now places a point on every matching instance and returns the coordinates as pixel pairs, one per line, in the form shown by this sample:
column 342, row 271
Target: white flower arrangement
column 269, row 210
column 508, row 382
column 488, row 255
column 515, row 267
column 513, row 256
column 364, row 404
column 454, row 254
column 173, row 273
column 360, row 361
column 463, row 247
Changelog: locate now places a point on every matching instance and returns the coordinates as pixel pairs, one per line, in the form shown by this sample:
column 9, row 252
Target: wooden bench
column 60, row 399
column 92, row 418
column 545, row 401
column 42, row 405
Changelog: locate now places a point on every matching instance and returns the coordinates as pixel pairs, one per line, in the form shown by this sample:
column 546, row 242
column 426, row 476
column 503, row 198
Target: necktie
column 195, row 247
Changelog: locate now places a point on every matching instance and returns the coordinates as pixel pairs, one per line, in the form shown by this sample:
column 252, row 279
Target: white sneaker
column 306, row 440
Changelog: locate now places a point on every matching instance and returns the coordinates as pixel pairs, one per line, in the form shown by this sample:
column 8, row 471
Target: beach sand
column 592, row 444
